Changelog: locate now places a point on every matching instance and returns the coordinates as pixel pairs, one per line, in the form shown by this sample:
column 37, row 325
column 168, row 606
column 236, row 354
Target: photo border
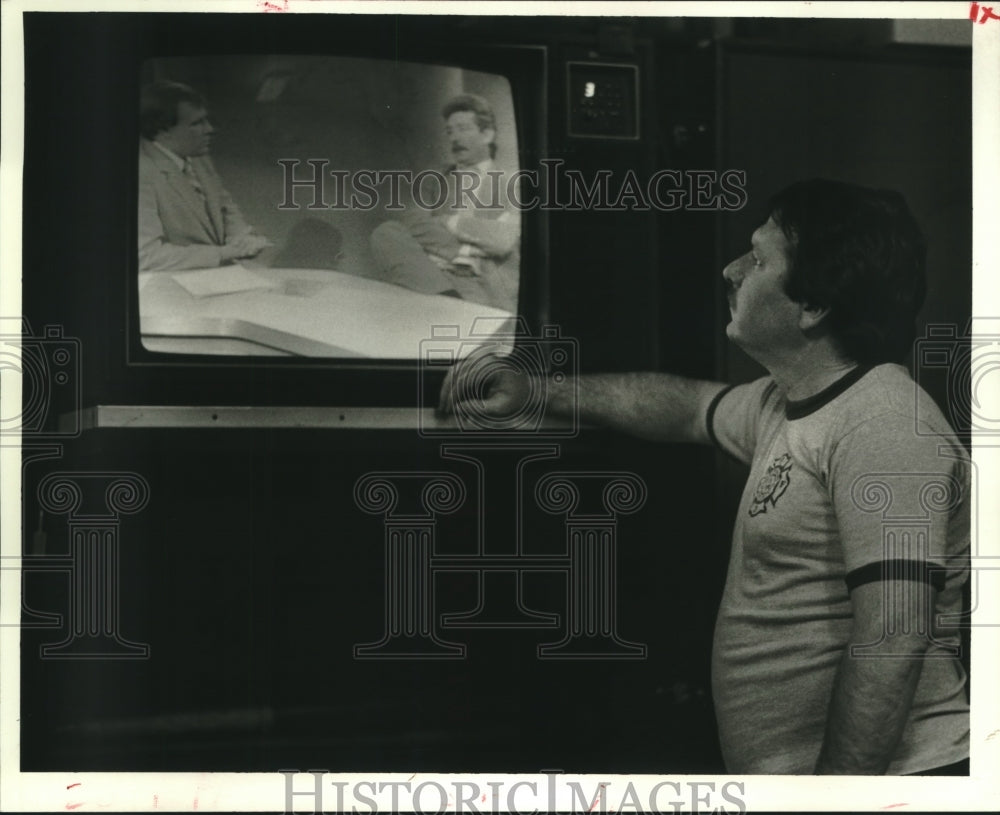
column 257, row 792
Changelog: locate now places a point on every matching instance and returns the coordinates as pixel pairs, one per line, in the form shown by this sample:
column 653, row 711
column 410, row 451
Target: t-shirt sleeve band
column 710, row 415
column 921, row 571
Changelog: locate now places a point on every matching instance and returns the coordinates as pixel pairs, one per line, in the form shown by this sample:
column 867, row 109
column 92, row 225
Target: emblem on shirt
column 772, row 485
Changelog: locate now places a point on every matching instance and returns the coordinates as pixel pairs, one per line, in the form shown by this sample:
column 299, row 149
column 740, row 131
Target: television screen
column 324, row 206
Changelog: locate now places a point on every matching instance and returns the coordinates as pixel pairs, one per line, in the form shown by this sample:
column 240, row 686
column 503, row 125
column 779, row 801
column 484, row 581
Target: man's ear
column 811, row 316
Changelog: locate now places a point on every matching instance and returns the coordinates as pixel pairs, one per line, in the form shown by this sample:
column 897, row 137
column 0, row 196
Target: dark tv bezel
column 160, row 378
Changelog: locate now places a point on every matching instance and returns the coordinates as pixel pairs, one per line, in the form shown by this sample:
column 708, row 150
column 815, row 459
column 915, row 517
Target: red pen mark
column 77, row 784
column 602, row 787
column 74, row 806
column 988, row 14
column 194, row 804
column 272, row 6
column 893, row 806
column 156, row 801
column 483, row 799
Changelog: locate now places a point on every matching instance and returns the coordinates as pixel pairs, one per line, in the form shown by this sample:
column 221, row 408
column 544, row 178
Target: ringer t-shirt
column 862, row 481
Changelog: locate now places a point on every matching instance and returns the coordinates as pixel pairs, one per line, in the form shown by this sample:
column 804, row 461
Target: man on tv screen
column 187, row 219
column 836, row 649
column 461, row 238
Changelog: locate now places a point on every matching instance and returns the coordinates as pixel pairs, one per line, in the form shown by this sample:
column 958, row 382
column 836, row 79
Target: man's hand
column 488, row 384
column 465, row 266
column 244, row 246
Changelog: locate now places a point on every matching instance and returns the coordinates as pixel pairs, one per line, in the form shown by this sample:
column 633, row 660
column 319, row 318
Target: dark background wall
column 253, row 572
column 899, row 121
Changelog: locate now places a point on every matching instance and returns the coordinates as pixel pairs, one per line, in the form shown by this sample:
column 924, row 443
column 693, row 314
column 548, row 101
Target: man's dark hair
column 860, row 253
column 158, row 105
column 485, row 118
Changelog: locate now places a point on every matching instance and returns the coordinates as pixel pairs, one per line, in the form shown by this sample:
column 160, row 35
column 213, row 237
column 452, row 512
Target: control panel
column 603, row 100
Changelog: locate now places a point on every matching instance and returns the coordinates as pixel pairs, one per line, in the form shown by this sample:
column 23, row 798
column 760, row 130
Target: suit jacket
column 177, row 229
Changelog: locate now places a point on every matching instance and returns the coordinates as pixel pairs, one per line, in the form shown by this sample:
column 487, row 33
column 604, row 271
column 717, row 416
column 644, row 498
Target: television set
column 315, row 118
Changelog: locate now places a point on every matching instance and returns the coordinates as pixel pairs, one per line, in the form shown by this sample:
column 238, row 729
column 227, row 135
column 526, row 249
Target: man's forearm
column 494, row 237
column 869, row 708
column 657, row 406
column 159, row 256
column 434, row 237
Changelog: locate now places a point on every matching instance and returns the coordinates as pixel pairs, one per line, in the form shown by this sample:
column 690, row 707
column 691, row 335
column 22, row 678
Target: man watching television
column 828, row 656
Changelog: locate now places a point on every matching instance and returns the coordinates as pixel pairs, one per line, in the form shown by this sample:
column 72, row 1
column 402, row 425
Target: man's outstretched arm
column 656, row 406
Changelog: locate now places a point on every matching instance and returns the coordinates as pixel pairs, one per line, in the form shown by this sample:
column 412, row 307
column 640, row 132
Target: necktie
column 192, row 177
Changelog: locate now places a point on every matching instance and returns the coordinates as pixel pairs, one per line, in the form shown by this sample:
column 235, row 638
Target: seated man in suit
column 187, row 220
column 469, row 245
